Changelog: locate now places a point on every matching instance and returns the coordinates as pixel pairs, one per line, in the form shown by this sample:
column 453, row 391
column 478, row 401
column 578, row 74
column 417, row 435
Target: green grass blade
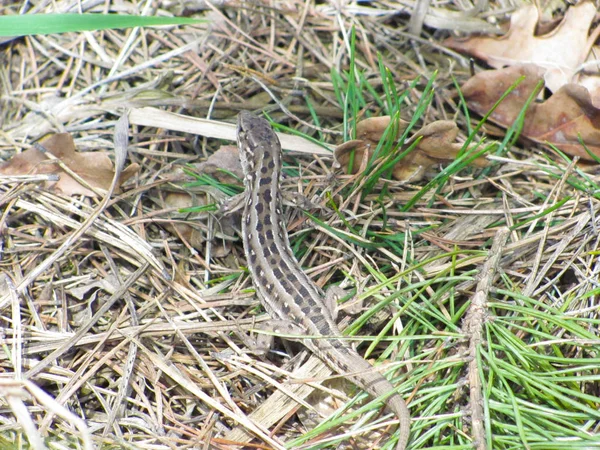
column 29, row 24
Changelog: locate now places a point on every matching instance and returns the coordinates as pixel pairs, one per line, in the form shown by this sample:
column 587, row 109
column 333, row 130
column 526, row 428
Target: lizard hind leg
column 263, row 341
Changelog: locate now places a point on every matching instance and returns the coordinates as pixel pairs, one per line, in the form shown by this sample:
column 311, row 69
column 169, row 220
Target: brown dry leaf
column 95, row 168
column 560, row 52
column 437, row 145
column 372, row 129
column 559, row 120
column 188, row 226
column 224, row 160
column 181, row 200
column 342, row 155
column 223, row 165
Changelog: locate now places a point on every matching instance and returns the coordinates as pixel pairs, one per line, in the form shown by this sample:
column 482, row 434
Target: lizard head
column 258, row 144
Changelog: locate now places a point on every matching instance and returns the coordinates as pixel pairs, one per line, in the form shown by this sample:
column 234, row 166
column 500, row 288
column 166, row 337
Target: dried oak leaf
column 559, row 120
column 95, row 168
column 437, row 145
column 560, row 52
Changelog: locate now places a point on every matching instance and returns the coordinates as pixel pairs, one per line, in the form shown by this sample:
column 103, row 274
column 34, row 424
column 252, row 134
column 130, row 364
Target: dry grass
column 132, row 327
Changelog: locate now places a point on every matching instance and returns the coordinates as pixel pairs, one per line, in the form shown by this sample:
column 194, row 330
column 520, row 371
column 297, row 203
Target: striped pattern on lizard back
column 283, row 288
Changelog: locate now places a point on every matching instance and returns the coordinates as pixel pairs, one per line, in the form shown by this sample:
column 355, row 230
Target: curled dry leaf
column 438, row 139
column 560, row 53
column 559, row 120
column 343, row 154
column 437, row 145
column 372, row 129
column 95, row 168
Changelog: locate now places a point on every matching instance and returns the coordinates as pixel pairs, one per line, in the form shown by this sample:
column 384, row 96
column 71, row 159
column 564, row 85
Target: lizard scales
column 283, row 288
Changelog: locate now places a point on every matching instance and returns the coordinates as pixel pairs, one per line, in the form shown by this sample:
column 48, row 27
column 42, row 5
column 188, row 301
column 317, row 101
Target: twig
column 473, row 326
